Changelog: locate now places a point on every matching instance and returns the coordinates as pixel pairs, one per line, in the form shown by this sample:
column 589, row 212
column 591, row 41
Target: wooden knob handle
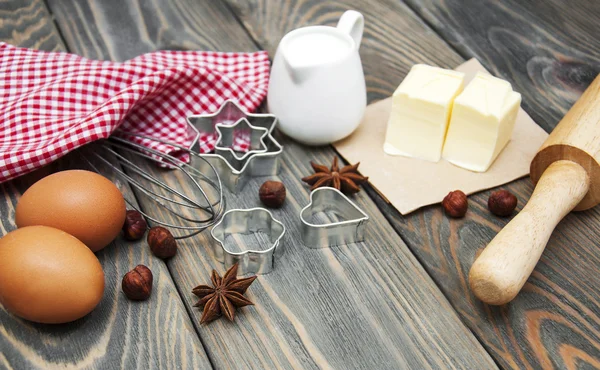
column 505, row 264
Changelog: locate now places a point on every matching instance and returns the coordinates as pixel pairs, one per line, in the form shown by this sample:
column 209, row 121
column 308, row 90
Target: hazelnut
column 502, row 203
column 272, row 194
column 137, row 283
column 161, row 242
column 455, row 204
column 135, row 225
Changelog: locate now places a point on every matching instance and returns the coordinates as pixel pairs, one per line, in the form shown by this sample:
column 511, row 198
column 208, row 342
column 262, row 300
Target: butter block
column 482, row 122
column 421, row 108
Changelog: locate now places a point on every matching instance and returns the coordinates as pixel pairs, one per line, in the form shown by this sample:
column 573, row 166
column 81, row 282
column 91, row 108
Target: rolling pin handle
column 505, row 264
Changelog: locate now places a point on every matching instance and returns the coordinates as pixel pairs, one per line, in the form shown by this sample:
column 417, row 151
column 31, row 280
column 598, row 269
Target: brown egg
column 82, row 203
column 48, row 276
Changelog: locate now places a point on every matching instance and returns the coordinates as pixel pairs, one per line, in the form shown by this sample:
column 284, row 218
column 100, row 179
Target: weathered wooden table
column 399, row 300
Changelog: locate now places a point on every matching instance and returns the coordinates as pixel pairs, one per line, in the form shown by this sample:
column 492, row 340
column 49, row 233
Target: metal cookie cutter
column 256, row 164
column 246, row 221
column 229, row 113
column 336, row 233
column 227, row 135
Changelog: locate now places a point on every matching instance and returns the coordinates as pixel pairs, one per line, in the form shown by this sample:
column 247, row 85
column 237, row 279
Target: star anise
column 346, row 179
column 224, row 297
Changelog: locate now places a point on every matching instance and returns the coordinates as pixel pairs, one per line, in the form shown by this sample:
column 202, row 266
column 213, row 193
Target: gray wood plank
column 368, row 305
column 549, row 51
column 121, row 30
column 28, row 23
column 118, row 333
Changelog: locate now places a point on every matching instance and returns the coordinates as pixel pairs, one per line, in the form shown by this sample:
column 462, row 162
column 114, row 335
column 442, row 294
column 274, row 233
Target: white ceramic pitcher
column 317, row 86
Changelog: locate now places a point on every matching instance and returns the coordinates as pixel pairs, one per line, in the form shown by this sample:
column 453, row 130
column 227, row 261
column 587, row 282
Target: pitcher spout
column 298, row 73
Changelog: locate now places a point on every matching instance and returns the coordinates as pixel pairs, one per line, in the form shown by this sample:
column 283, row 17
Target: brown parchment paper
column 409, row 184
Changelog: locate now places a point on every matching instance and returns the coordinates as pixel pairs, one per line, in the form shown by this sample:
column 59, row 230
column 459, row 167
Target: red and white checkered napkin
column 52, row 103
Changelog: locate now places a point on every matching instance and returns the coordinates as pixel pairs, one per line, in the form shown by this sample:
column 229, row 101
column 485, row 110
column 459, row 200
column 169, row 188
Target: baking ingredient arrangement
column 429, row 182
column 316, row 95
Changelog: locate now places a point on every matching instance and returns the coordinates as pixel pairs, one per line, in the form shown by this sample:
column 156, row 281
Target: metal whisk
column 190, row 212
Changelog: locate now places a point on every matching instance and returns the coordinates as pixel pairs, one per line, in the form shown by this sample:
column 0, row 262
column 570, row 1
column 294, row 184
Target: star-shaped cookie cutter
column 246, row 221
column 337, row 233
column 227, row 135
column 229, row 113
column 256, row 164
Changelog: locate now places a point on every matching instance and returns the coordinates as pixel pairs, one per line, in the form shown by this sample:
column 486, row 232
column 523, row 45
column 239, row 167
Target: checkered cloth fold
column 54, row 102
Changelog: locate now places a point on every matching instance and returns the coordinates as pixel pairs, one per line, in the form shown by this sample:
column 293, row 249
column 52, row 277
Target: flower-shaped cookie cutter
column 241, row 130
column 256, row 164
column 247, row 221
column 351, row 230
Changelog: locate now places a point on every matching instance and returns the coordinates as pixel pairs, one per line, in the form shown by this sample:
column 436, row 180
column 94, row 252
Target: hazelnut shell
column 455, row 204
column 162, row 243
column 135, row 225
column 272, row 194
column 502, row 203
column 137, row 283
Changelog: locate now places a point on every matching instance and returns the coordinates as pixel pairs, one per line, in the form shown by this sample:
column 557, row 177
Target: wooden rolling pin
column 566, row 172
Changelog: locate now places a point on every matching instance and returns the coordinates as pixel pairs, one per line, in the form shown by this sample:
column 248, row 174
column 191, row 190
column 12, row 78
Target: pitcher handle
column 352, row 23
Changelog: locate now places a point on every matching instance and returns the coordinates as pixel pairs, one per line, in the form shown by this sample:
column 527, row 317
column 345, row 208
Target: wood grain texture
column 554, row 322
column 118, row 333
column 122, row 30
column 548, row 49
column 368, row 305
column 28, row 23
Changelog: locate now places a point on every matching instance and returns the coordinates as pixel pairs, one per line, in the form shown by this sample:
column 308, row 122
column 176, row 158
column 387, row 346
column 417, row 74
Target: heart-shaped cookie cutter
column 246, row 221
column 337, row 233
column 256, row 164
